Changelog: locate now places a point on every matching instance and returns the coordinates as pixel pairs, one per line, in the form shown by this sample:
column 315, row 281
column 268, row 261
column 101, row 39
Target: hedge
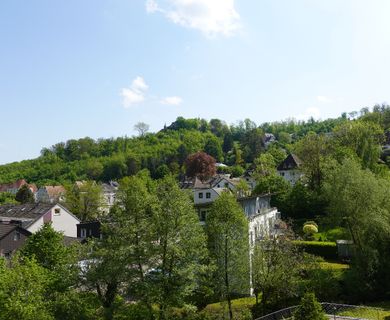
column 327, row 250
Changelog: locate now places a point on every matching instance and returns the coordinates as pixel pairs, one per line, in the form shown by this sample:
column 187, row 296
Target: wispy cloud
column 173, row 101
column 135, row 94
column 211, row 17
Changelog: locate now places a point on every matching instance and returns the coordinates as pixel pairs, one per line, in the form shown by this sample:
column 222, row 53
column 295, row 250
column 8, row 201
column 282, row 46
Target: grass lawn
column 238, row 306
column 368, row 313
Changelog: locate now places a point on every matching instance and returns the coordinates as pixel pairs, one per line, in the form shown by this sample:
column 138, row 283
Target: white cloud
column 151, row 6
column 312, row 112
column 173, row 101
column 324, row 99
column 135, row 94
column 211, row 17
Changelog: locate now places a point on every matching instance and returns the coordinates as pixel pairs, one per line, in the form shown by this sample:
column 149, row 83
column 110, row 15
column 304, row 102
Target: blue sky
column 70, row 69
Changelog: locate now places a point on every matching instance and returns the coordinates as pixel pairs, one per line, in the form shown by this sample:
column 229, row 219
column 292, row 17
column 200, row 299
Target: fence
column 334, row 312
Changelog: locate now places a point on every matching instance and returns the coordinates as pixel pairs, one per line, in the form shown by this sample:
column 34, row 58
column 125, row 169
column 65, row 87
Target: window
column 83, row 233
column 16, row 236
column 57, row 211
column 202, row 215
column 226, row 185
column 200, row 195
column 251, row 238
column 208, row 195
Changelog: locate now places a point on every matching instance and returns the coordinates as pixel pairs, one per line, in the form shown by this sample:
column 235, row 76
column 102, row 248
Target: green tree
column 228, row 142
column 276, row 267
column 85, row 199
column 253, row 144
column 227, row 231
column 268, row 180
column 7, row 198
column 213, row 148
column 312, row 150
column 363, row 137
column 180, row 249
column 135, row 234
column 24, row 195
column 310, row 309
column 47, row 247
column 22, row 291
column 361, row 202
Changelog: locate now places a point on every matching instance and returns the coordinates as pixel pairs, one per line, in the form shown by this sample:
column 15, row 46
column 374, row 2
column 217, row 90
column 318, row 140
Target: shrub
column 327, row 250
column 309, row 229
column 309, row 309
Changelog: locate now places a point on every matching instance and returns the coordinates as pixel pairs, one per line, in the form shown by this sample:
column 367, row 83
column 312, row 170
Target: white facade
column 203, row 196
column 291, row 176
column 261, row 217
column 62, row 220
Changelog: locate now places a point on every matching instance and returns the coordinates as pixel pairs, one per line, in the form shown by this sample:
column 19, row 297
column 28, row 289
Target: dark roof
column 6, row 228
column 28, row 213
column 111, row 187
column 67, row 241
column 291, row 162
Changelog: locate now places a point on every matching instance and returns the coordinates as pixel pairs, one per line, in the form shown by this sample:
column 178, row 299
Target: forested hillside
column 236, row 145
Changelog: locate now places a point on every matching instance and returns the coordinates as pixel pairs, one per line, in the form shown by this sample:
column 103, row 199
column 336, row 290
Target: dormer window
column 200, row 195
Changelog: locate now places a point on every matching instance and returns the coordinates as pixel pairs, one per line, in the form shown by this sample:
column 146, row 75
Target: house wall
column 61, row 221
column 42, row 196
column 10, row 244
column 213, row 196
column 262, row 225
column 291, row 176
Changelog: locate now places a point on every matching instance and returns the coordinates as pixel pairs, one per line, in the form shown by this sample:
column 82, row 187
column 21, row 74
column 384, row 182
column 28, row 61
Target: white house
column 32, row 216
column 262, row 218
column 290, row 170
column 109, row 191
column 50, row 194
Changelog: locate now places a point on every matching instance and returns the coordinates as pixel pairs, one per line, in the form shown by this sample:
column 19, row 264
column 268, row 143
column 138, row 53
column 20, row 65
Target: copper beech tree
column 200, row 165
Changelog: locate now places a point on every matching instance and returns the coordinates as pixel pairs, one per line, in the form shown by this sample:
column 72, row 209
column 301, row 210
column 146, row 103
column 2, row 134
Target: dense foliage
column 155, row 254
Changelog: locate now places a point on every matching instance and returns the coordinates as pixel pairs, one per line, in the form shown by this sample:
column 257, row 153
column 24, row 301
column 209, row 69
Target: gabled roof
column 55, row 191
column 27, row 213
column 291, row 162
column 7, row 228
column 214, row 181
column 16, row 185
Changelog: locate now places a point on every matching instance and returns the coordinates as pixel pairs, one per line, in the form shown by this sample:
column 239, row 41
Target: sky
column 71, row 69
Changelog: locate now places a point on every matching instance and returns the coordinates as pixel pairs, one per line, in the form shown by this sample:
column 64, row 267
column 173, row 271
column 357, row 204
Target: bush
column 309, row 309
column 327, row 250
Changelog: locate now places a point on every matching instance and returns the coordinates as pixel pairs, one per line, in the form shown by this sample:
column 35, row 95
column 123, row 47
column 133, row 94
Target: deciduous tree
column 228, row 240
column 85, row 199
column 24, row 195
column 200, row 165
